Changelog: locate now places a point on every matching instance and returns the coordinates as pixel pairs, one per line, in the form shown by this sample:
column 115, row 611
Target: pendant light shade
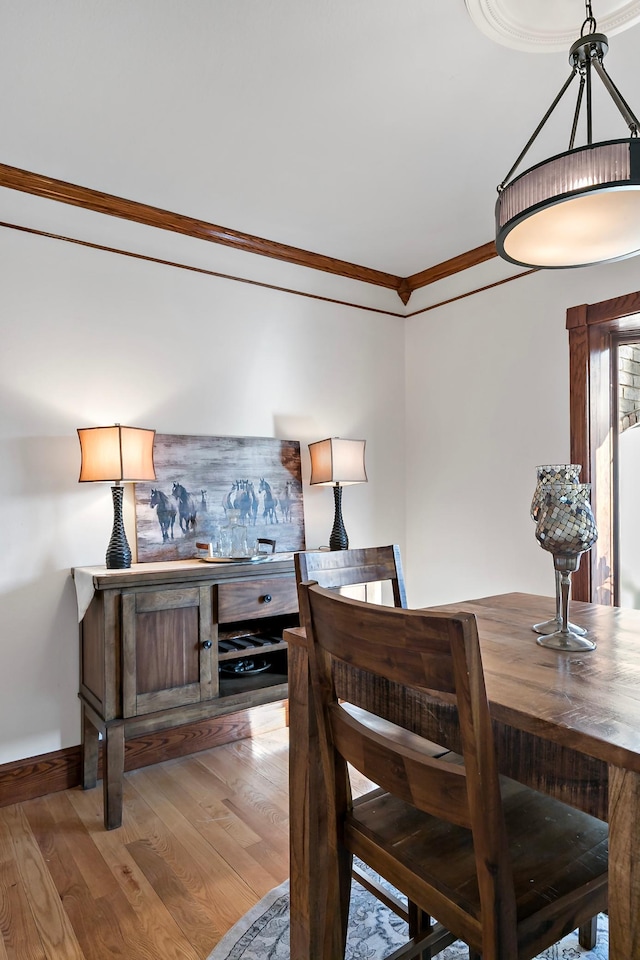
column 576, row 209
column 581, row 207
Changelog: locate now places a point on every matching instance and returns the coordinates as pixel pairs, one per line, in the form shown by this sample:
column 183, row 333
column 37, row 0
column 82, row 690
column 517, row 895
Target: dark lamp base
column 338, row 539
column 118, row 552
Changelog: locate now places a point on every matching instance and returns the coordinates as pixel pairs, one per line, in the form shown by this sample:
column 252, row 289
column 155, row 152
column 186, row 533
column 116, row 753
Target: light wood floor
column 203, row 839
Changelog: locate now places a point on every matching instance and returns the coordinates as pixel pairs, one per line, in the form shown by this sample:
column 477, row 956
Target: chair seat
column 433, row 861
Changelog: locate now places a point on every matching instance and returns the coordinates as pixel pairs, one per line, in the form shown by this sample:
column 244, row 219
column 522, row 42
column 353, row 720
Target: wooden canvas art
column 199, row 479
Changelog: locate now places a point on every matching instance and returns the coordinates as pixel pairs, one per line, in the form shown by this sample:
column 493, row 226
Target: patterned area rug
column 374, row 932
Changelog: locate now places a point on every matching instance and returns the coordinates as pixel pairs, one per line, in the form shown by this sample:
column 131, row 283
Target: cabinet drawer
column 257, row 598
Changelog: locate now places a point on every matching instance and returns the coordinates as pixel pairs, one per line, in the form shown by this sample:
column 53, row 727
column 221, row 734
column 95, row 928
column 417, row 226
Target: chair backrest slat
column 398, row 767
column 399, row 652
column 342, row 568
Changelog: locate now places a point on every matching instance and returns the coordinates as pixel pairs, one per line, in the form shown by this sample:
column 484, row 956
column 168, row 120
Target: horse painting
column 187, row 509
column 166, row 513
column 204, row 484
column 270, row 503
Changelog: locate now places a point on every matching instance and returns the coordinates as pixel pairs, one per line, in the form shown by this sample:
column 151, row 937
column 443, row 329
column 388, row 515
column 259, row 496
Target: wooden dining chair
column 336, row 570
column 345, row 568
column 502, row 867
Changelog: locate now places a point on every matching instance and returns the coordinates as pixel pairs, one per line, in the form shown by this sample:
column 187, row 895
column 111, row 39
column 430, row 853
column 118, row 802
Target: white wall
column 487, row 401
column 91, row 338
column 476, row 391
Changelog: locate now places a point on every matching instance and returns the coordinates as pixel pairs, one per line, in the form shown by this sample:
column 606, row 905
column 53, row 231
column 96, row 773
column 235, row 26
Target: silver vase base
column 553, row 626
column 566, row 640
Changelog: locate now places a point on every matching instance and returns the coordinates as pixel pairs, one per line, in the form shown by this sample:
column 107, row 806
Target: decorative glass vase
column 553, row 473
column 566, row 528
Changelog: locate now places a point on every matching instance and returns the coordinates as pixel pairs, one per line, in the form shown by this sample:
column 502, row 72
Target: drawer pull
column 206, row 644
column 266, row 598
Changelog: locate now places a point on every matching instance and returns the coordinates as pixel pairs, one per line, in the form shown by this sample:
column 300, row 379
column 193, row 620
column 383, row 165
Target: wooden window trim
column 594, row 332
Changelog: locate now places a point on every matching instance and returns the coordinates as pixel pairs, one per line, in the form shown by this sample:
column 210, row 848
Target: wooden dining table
column 565, row 723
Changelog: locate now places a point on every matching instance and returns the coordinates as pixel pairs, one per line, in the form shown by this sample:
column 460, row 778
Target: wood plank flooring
column 203, row 839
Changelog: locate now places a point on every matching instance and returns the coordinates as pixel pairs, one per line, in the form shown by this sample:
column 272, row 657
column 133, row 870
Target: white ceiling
column 373, row 131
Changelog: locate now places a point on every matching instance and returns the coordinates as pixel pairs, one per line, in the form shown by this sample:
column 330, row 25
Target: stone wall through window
column 628, row 385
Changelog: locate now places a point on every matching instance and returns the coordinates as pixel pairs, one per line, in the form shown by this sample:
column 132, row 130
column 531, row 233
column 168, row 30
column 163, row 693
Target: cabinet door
column 168, row 649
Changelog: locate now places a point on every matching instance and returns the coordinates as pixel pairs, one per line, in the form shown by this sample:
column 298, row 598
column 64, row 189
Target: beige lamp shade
column 337, row 461
column 116, row 453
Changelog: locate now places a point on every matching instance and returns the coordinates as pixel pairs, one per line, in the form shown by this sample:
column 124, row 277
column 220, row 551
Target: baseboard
column 62, row 769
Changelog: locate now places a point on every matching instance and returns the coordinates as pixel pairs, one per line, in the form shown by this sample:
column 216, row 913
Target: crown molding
column 449, row 267
column 49, row 188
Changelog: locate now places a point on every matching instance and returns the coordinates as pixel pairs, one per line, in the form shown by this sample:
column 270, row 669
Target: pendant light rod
column 627, row 113
column 576, row 115
column 535, row 133
column 589, row 101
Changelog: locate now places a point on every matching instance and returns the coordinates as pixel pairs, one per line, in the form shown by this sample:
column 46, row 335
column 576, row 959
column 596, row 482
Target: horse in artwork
column 270, row 503
column 254, row 502
column 285, row 502
column 227, row 500
column 166, row 513
column 187, row 508
column 242, row 501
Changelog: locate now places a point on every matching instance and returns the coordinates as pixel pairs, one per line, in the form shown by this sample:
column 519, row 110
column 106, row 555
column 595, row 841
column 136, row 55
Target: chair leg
column 473, row 955
column 419, row 926
column 588, row 934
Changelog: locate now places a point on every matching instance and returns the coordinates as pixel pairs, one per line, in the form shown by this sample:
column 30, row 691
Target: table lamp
column 337, row 463
column 120, row 455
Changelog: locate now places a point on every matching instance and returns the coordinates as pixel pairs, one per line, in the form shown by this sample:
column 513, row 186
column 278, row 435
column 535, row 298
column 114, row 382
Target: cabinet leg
column 113, row 773
column 89, row 753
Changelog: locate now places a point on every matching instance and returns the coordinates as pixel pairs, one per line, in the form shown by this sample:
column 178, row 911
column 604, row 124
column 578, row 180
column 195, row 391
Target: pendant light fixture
column 580, row 207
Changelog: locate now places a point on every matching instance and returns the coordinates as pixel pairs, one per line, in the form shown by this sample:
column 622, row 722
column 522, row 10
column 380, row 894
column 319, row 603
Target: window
column 595, row 333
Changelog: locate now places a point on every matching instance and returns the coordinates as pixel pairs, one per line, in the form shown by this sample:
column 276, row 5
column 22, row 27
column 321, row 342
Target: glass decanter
column 233, row 537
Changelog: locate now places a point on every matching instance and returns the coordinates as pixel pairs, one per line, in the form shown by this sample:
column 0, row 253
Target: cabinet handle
column 266, row 598
column 206, row 644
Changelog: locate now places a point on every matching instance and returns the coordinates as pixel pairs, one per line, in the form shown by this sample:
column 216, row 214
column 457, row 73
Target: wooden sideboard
column 160, row 646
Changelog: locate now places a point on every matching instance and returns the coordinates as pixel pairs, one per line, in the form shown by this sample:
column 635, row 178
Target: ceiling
column 372, row 131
